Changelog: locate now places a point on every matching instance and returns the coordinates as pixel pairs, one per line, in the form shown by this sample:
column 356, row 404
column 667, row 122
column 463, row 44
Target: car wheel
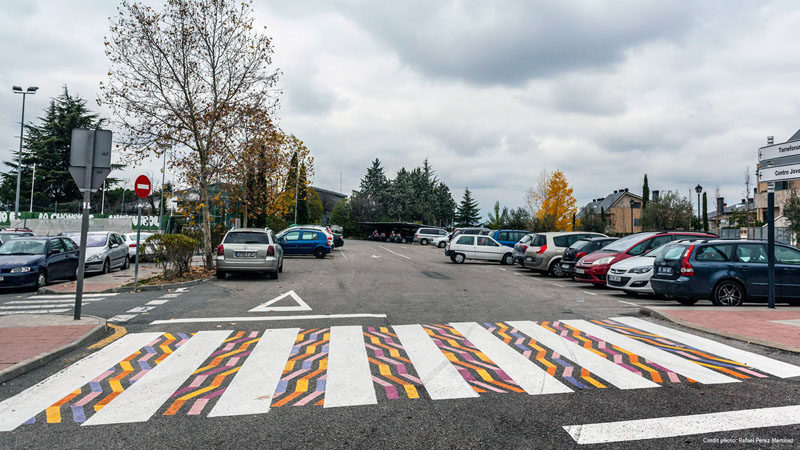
column 555, row 269
column 319, row 252
column 459, row 258
column 687, row 301
column 41, row 280
column 280, row 268
column 274, row 275
column 728, row 293
column 442, row 244
column 126, row 264
column 220, row 274
column 423, row 242
column 508, row 259
column 106, row 266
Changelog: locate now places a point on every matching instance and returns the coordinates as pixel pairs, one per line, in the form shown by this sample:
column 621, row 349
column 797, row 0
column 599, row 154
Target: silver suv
column 249, row 250
column 426, row 235
column 545, row 250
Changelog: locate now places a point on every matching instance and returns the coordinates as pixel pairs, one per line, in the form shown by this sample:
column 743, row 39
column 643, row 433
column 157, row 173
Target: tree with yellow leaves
column 557, row 207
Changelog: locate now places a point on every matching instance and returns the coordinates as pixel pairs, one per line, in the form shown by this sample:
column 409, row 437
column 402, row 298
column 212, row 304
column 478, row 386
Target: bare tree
column 179, row 77
column 536, row 194
column 748, row 181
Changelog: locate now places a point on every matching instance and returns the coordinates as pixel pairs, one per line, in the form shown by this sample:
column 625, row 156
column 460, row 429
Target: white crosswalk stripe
column 41, row 304
column 348, row 378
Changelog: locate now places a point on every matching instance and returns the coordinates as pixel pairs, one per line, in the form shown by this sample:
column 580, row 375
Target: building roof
column 609, row 201
column 329, row 192
column 728, row 210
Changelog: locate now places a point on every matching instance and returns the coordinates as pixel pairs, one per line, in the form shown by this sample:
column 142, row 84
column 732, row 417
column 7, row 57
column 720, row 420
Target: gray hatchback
column 249, row 250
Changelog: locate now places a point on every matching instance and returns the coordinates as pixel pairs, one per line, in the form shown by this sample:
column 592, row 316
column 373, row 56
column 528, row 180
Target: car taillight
column 220, row 250
column 523, row 247
column 542, row 249
column 132, row 245
column 270, row 251
column 580, row 255
column 686, row 268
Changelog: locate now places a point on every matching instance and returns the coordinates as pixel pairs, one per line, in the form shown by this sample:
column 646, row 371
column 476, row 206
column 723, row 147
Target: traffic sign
column 142, row 186
column 781, row 150
column 779, row 173
column 90, row 150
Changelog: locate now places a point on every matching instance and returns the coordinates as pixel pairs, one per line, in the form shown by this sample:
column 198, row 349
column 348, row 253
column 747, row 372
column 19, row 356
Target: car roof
column 249, row 230
column 41, row 238
column 567, row 233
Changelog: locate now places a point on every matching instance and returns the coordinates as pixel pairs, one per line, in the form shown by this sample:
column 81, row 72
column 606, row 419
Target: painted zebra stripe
column 21, row 407
column 605, row 369
column 252, row 389
column 675, row 363
column 525, row 373
column 349, row 379
column 440, row 378
column 774, row 367
column 142, row 399
column 72, row 296
column 664, row 427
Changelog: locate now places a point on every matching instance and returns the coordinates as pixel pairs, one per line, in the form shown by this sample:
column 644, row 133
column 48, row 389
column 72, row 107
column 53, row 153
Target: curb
column 42, row 359
column 157, row 287
column 650, row 312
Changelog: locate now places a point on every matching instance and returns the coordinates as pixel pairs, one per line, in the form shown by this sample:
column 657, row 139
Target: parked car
column 727, row 272
column 129, row 239
column 105, row 251
column 6, row 235
column 546, row 250
column 471, row 231
column 426, row 235
column 478, row 247
column 508, row 237
column 579, row 249
column 594, row 268
column 250, row 250
column 35, row 261
column 304, row 241
column 633, row 275
column 324, row 229
column 338, row 241
column 520, row 247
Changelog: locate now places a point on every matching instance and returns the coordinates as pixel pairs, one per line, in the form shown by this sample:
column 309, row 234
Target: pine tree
column 302, row 197
column 468, row 214
column 645, row 193
column 705, row 212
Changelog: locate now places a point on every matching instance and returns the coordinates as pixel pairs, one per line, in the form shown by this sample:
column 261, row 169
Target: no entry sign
column 142, row 186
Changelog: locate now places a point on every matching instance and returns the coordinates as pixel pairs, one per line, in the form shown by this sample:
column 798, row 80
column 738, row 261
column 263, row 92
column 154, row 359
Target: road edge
column 155, row 287
column 650, row 312
column 44, row 358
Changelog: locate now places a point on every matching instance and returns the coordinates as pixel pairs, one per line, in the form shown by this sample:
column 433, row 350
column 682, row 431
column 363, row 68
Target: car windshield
column 246, row 238
column 23, row 247
column 623, row 244
column 672, row 252
column 658, row 252
column 579, row 245
column 92, row 240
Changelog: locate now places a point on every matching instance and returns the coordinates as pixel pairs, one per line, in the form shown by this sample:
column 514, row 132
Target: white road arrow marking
column 267, row 307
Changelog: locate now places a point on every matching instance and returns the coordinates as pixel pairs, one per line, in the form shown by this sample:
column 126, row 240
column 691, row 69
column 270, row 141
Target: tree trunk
column 208, row 256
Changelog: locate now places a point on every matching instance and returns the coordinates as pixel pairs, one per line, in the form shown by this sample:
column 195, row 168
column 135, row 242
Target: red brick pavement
column 23, row 343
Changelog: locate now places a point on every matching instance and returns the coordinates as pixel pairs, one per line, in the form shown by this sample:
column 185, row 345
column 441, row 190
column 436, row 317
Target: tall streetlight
column 632, row 205
column 699, row 190
column 18, row 90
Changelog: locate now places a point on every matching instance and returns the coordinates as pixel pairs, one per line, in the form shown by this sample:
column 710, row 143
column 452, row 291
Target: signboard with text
column 779, row 173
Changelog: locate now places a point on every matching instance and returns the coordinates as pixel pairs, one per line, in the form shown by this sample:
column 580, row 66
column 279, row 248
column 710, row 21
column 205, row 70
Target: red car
column 593, row 267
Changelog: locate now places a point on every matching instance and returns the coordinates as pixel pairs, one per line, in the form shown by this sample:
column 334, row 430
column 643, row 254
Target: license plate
column 245, row 254
column 580, row 271
column 1, row 278
column 614, row 278
column 665, row 270
column 565, row 266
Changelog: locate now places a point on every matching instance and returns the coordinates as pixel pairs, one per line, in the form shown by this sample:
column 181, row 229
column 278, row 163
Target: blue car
column 727, row 272
column 304, row 241
column 35, row 261
column 508, row 237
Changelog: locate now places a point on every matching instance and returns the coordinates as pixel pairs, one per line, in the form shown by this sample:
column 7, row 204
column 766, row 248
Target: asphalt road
column 410, row 285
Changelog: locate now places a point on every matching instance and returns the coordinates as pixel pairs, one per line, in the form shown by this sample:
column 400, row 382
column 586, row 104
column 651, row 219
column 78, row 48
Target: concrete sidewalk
column 777, row 328
column 31, row 340
column 102, row 283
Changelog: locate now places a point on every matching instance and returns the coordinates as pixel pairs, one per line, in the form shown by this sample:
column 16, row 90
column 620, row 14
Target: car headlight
column 21, row 269
column 94, row 257
column 643, row 269
column 601, row 261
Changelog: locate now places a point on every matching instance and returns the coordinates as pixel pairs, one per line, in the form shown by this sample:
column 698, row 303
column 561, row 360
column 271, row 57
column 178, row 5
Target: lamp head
column 33, row 89
column 698, row 189
column 17, row 88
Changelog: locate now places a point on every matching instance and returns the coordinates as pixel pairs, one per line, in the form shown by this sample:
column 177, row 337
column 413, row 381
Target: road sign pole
column 771, row 243
column 138, row 234
column 87, row 191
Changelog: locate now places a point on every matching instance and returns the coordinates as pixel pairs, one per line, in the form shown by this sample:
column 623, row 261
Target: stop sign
column 142, row 186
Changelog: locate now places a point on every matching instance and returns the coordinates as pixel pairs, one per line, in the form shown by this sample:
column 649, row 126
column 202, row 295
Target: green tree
column 341, row 215
column 791, row 209
column 499, row 219
column 302, row 197
column 670, row 212
column 314, row 207
column 591, row 220
column 705, row 212
column 467, row 214
column 444, row 205
column 519, row 219
column 645, row 193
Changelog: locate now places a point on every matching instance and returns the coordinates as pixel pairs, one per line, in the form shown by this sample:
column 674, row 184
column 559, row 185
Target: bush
column 172, row 251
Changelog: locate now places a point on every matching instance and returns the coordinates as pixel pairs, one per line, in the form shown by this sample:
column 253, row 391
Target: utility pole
column 102, row 198
column 771, row 238
column 33, row 181
column 18, row 90
column 161, row 203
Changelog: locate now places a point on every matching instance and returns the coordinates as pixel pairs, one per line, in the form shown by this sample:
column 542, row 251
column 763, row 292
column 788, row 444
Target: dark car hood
column 11, row 261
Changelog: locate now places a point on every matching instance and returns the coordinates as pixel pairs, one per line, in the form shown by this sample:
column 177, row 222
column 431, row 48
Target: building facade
column 622, row 210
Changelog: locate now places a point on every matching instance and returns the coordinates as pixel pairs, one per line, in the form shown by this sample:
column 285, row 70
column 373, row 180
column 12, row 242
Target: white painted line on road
column 252, row 388
column 156, row 302
column 265, row 318
column 183, row 289
column 142, row 399
column 141, row 309
column 665, row 427
column 299, row 305
column 502, row 269
column 35, row 311
column 628, row 303
column 121, row 318
column 349, row 381
column 668, row 360
column 21, row 407
column 72, row 296
column 605, row 369
column 590, row 293
column 54, row 301
column 170, row 296
column 523, row 371
column 375, row 256
column 398, row 254
column 31, row 307
column 440, row 378
column 556, row 284
column 790, row 322
column 762, row 363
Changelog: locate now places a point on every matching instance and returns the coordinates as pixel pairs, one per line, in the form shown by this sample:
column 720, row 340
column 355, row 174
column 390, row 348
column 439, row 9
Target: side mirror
column 114, row 245
column 281, row 241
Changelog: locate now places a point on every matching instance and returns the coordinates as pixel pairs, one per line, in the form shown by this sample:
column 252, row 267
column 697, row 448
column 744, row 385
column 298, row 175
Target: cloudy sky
column 490, row 92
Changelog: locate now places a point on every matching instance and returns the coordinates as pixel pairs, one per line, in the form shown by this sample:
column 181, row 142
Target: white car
column 441, row 241
column 426, row 235
column 632, row 275
column 484, row 248
column 130, row 242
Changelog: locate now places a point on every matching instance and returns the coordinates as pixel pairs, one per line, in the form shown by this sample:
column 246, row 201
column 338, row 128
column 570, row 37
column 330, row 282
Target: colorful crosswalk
column 228, row 372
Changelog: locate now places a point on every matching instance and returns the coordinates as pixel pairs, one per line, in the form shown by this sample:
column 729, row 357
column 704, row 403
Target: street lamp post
column 18, row 90
column 632, row 203
column 698, row 189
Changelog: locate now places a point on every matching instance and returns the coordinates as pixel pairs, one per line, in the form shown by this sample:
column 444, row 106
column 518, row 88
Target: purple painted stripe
column 391, row 391
column 30, row 421
column 77, row 414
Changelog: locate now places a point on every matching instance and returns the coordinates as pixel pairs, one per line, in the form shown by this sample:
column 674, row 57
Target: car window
column 623, row 244
column 245, row 237
column 486, row 242
column 23, row 247
column 56, row 246
column 673, row 252
column 292, row 236
column 525, row 239
column 92, row 240
column 751, row 253
column 561, row 241
column 579, row 244
column 786, row 255
column 466, row 240
column 720, row 253
column 69, row 245
column 658, row 241
column 309, row 236
column 538, row 240
column 571, row 239
column 503, row 236
column 639, row 248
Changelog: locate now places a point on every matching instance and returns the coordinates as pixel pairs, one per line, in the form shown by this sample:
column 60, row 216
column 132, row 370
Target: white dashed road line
column 394, row 253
